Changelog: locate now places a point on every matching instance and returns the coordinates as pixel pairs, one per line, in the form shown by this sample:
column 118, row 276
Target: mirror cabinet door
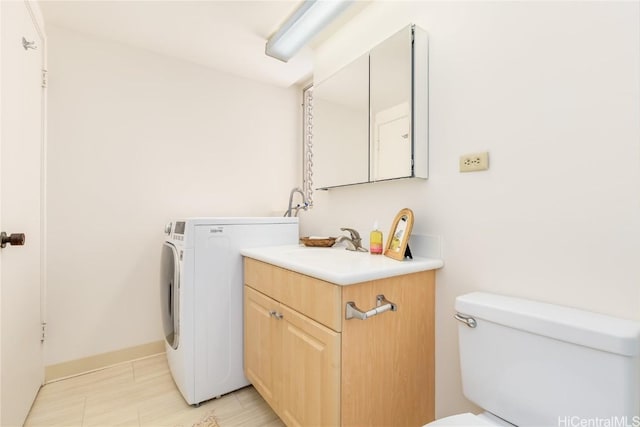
column 371, row 118
column 390, row 105
column 341, row 126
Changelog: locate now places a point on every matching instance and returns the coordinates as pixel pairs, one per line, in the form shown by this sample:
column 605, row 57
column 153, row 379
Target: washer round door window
column 170, row 293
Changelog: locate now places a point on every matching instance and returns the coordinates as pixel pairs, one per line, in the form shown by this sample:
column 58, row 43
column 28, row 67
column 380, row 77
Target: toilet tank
column 538, row 364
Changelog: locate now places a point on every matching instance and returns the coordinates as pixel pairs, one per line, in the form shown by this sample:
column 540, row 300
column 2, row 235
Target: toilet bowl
column 470, row 420
column 577, row 365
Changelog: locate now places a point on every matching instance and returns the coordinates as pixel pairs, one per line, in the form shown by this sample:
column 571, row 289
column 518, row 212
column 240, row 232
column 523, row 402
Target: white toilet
column 533, row 364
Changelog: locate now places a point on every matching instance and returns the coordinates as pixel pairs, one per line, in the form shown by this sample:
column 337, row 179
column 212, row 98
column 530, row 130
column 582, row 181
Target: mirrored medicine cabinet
column 370, row 118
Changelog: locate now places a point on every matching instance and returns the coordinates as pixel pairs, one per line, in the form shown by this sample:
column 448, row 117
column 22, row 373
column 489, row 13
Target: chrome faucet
column 305, row 205
column 354, row 243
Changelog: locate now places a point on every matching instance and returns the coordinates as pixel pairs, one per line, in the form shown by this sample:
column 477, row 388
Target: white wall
column 136, row 140
column 551, row 90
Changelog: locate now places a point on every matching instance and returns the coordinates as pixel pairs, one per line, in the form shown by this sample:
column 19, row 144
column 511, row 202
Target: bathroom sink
column 331, row 258
column 338, row 265
column 336, row 253
column 306, row 251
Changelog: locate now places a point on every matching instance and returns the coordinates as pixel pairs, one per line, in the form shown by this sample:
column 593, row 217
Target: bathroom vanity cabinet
column 316, row 368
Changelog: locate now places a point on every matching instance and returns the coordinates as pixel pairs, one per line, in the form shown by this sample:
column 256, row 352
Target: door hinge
column 44, row 78
column 43, row 331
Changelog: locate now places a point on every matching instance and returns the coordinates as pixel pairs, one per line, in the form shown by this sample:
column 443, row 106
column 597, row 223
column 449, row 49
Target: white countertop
column 337, row 265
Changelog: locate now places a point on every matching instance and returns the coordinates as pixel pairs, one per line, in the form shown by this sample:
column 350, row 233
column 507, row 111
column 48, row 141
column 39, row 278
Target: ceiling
column 228, row 36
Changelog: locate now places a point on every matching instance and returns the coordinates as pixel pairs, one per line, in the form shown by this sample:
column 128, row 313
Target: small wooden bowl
column 321, row 243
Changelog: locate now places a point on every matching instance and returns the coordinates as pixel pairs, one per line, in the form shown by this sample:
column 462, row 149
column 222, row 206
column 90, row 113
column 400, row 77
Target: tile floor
column 140, row 393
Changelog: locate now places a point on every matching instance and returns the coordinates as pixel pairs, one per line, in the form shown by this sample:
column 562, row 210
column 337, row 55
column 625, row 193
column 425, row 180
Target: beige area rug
column 207, row 421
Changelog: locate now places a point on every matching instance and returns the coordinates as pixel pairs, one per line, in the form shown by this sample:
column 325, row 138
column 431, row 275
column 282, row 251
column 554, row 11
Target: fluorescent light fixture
column 307, row 21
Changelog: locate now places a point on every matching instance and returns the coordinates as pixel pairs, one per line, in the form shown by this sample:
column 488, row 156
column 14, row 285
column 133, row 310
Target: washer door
column 170, row 293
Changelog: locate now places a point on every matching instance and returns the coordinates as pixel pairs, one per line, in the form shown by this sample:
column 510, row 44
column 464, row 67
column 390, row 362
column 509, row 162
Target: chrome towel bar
column 382, row 305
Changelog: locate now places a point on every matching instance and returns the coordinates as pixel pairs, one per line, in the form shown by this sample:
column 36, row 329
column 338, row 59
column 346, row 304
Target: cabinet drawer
column 265, row 278
column 314, row 298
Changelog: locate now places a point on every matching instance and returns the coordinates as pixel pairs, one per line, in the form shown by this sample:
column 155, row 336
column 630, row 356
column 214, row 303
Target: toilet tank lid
column 599, row 331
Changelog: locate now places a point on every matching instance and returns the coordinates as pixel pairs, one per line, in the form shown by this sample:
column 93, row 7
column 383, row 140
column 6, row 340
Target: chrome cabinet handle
column 382, row 305
column 276, row 315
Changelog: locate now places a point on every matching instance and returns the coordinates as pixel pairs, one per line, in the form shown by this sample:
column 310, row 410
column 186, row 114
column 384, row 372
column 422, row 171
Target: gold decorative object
column 398, row 237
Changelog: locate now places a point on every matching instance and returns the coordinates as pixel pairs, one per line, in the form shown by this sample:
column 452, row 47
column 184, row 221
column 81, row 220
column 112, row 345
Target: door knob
column 14, row 239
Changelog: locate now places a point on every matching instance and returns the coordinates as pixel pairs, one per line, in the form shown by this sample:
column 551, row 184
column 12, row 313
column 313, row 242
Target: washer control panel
column 176, row 231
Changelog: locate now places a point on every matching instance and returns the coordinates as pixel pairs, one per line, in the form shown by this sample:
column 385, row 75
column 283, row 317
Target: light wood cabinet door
column 310, row 372
column 388, row 360
column 262, row 345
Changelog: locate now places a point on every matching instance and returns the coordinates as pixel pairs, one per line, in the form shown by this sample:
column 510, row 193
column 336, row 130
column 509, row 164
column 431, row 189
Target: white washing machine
column 201, row 297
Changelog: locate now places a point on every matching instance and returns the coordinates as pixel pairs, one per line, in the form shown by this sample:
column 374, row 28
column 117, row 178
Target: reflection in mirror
column 391, row 143
column 390, row 104
column 396, row 239
column 341, row 126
